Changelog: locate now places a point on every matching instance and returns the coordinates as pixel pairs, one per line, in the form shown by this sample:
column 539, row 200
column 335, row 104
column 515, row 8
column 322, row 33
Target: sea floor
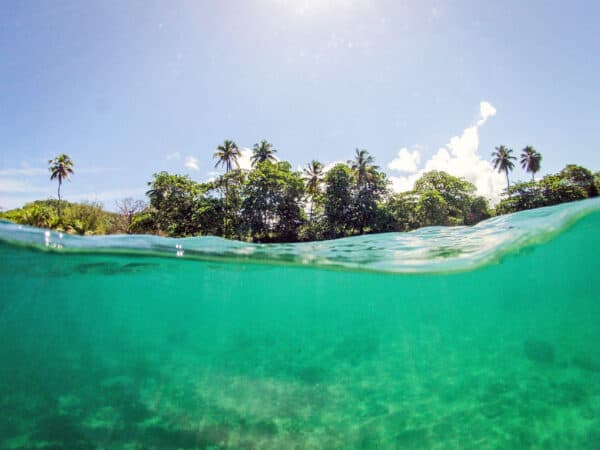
column 418, row 389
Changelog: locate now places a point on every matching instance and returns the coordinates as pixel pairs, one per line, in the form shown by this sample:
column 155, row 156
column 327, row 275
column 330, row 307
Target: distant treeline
column 273, row 203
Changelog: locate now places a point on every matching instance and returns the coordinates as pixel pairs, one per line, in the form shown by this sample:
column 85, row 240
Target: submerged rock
column 538, row 351
column 586, row 363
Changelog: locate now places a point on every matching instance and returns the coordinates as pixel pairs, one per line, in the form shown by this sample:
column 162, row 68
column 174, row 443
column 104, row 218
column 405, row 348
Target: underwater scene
column 443, row 338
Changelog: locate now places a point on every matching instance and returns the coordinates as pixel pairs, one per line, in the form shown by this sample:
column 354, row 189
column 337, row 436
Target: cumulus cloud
column 406, row 161
column 486, row 110
column 191, row 163
column 459, row 157
column 245, row 159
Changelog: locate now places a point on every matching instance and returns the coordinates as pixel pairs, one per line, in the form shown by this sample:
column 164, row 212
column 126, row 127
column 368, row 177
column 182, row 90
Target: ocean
column 443, row 338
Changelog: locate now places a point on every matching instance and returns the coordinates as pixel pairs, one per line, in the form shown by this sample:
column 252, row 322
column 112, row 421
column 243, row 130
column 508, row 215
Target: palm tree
column 263, row 152
column 227, row 154
column 531, row 161
column 60, row 168
column 363, row 168
column 313, row 174
column 503, row 162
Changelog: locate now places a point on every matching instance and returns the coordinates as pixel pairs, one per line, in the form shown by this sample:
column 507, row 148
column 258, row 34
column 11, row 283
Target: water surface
column 482, row 337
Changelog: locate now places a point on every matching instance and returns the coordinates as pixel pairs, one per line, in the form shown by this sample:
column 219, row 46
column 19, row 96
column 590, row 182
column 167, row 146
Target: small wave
column 427, row 250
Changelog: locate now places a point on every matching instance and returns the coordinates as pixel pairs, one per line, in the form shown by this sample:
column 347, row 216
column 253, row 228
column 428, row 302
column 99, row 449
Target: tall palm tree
column 313, row 174
column 227, row 155
column 531, row 161
column 60, row 168
column 363, row 168
column 263, row 152
column 503, row 161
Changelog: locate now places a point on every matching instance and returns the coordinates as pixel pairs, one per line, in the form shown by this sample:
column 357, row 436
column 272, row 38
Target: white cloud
column 406, row 161
column 486, row 110
column 245, row 159
column 8, row 186
column 460, row 157
column 191, row 163
column 330, row 165
column 25, row 172
column 39, row 171
column 212, row 176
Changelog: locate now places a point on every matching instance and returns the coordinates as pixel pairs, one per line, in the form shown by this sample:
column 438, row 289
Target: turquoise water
column 482, row 337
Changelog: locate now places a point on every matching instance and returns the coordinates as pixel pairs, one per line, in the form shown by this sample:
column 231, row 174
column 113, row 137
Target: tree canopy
column 271, row 202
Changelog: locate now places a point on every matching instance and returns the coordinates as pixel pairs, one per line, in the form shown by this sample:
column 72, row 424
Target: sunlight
column 313, row 8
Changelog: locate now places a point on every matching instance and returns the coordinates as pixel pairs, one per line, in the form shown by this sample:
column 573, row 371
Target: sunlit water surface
column 483, row 337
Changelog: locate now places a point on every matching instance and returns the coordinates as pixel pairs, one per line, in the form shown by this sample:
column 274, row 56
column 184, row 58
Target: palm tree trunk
column 226, row 207
column 58, row 207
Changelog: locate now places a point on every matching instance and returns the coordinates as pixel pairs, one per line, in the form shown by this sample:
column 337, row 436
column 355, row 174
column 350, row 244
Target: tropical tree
column 313, row 176
column 60, row 168
column 531, row 160
column 370, row 185
column 402, row 209
column 503, row 162
column 457, row 193
column 362, row 167
column 432, row 209
column 263, row 152
column 580, row 177
column 272, row 205
column 227, row 155
column 337, row 200
column 173, row 202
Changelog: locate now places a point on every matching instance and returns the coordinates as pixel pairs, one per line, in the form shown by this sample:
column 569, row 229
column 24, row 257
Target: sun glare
column 317, row 7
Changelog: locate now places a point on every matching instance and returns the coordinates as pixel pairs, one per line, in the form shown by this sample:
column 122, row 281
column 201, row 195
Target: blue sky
column 131, row 88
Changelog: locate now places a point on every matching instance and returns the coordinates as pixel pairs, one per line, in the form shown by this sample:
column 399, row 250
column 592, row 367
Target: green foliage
column 531, row 161
column 571, row 184
column 580, row 177
column 60, row 169
column 522, row 196
column 432, row 209
column 402, row 211
column 479, row 209
column 227, row 155
column 263, row 152
column 313, row 177
column 557, row 189
column 228, row 203
column 76, row 218
column 502, row 159
column 337, row 201
column 176, row 202
column 456, row 192
column 272, row 202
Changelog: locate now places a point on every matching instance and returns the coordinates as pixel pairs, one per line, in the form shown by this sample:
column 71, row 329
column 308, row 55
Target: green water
column 487, row 337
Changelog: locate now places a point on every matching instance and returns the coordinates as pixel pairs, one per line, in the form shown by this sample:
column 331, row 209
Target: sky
column 130, row 88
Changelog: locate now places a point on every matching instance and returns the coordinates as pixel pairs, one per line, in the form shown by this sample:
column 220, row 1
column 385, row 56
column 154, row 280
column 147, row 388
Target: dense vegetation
column 76, row 218
column 274, row 203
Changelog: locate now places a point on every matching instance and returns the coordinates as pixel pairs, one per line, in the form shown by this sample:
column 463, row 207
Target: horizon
column 128, row 90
